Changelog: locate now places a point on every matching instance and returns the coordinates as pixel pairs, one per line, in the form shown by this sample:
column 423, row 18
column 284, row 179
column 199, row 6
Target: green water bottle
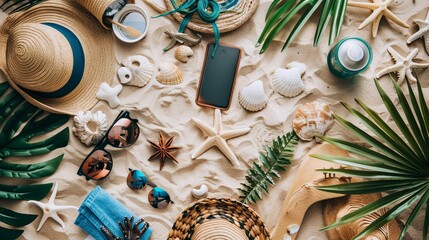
column 349, row 57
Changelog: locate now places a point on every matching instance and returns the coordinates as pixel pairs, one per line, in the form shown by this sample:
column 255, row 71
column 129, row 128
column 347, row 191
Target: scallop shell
column 169, row 74
column 253, row 97
column 140, row 68
column 183, row 53
column 312, row 119
column 90, row 127
column 288, row 82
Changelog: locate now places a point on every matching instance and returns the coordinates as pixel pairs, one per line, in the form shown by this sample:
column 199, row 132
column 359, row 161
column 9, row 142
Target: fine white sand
column 169, row 109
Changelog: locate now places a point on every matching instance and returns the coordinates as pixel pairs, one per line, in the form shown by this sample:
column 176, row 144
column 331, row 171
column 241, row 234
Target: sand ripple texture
column 170, row 108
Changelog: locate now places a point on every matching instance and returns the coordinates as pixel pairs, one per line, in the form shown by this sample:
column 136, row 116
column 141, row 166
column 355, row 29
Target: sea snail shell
column 200, row 192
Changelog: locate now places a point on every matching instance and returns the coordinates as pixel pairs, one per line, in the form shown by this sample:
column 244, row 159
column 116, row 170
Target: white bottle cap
column 353, row 54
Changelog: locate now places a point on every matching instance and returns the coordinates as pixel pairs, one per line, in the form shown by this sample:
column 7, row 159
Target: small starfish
column 50, row 210
column 109, row 94
column 379, row 9
column 423, row 32
column 403, row 65
column 217, row 137
column 163, row 149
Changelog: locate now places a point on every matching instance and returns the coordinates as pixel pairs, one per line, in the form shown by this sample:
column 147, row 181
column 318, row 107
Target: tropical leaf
column 20, row 123
column 15, row 219
column 261, row 175
column 399, row 163
column 281, row 13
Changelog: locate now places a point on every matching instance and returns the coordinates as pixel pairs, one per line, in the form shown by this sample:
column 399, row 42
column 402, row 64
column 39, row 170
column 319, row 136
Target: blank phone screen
column 218, row 76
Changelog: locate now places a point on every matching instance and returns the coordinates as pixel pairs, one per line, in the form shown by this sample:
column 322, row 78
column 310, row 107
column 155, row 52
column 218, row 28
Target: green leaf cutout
column 15, row 219
column 10, row 234
column 261, row 175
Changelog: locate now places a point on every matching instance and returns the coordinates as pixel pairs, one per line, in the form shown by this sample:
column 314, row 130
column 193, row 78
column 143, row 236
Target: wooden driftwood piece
column 303, row 193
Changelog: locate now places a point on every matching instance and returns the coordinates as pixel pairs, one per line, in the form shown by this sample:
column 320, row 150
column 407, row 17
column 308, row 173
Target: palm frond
column 274, row 161
column 399, row 163
column 281, row 13
column 20, row 123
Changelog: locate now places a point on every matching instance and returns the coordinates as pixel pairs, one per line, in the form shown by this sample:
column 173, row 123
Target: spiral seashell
column 200, row 192
column 90, row 127
column 183, row 53
column 288, row 82
column 252, row 97
column 312, row 119
column 169, row 74
column 140, row 68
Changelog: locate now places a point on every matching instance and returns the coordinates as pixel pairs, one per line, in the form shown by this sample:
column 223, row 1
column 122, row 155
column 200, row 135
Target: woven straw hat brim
column 199, row 215
column 226, row 22
column 97, row 45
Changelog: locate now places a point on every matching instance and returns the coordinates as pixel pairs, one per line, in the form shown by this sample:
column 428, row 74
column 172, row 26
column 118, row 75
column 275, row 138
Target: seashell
column 200, row 192
column 140, row 68
column 109, row 94
column 136, row 179
column 124, row 75
column 169, row 74
column 253, row 97
column 90, row 127
column 293, row 228
column 182, row 53
column 288, row 82
column 312, row 119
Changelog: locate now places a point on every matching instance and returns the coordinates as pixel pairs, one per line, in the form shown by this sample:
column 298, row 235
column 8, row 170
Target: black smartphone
column 218, row 76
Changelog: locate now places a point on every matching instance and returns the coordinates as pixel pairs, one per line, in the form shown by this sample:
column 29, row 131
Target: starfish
column 423, row 32
column 403, row 65
column 218, row 137
column 379, row 9
column 163, row 149
column 50, row 210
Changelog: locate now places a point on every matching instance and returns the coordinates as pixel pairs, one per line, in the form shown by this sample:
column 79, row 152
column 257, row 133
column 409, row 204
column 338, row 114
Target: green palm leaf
column 281, row 13
column 20, row 124
column 263, row 174
column 399, row 163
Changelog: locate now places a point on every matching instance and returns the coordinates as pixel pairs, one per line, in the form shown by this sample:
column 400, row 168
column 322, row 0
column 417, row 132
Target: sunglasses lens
column 159, row 198
column 97, row 165
column 136, row 180
column 124, row 133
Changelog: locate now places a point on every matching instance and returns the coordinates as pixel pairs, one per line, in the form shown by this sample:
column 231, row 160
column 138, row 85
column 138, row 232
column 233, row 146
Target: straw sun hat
column 56, row 55
column 211, row 218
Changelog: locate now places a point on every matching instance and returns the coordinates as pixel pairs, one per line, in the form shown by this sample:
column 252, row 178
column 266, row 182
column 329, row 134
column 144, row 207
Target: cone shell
column 140, row 68
column 169, row 74
column 183, row 53
column 252, row 97
column 288, row 82
column 312, row 119
column 90, row 127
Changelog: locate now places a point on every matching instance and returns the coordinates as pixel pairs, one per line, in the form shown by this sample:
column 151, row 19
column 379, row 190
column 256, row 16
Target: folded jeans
column 101, row 209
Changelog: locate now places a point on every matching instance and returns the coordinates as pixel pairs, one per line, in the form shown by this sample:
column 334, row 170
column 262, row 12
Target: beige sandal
column 303, row 192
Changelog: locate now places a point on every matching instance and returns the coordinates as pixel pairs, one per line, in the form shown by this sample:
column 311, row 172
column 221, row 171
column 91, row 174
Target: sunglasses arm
column 153, row 185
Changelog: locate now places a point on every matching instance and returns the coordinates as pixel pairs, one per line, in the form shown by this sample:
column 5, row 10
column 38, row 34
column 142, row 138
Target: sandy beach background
column 170, row 108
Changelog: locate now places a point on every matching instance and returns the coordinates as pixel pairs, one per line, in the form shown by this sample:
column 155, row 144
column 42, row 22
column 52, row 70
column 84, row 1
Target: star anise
column 163, row 150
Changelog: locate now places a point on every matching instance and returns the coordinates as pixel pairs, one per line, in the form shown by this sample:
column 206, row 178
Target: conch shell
column 253, row 97
column 90, row 127
column 312, row 119
column 183, row 53
column 137, row 71
column 169, row 74
column 288, row 82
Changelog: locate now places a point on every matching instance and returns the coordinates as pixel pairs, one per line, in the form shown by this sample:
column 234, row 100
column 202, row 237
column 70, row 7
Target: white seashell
column 293, row 228
column 140, row 68
column 200, row 192
column 169, row 74
column 182, row 53
column 253, row 97
column 90, row 127
column 288, row 82
column 109, row 94
column 124, row 75
column 312, row 119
